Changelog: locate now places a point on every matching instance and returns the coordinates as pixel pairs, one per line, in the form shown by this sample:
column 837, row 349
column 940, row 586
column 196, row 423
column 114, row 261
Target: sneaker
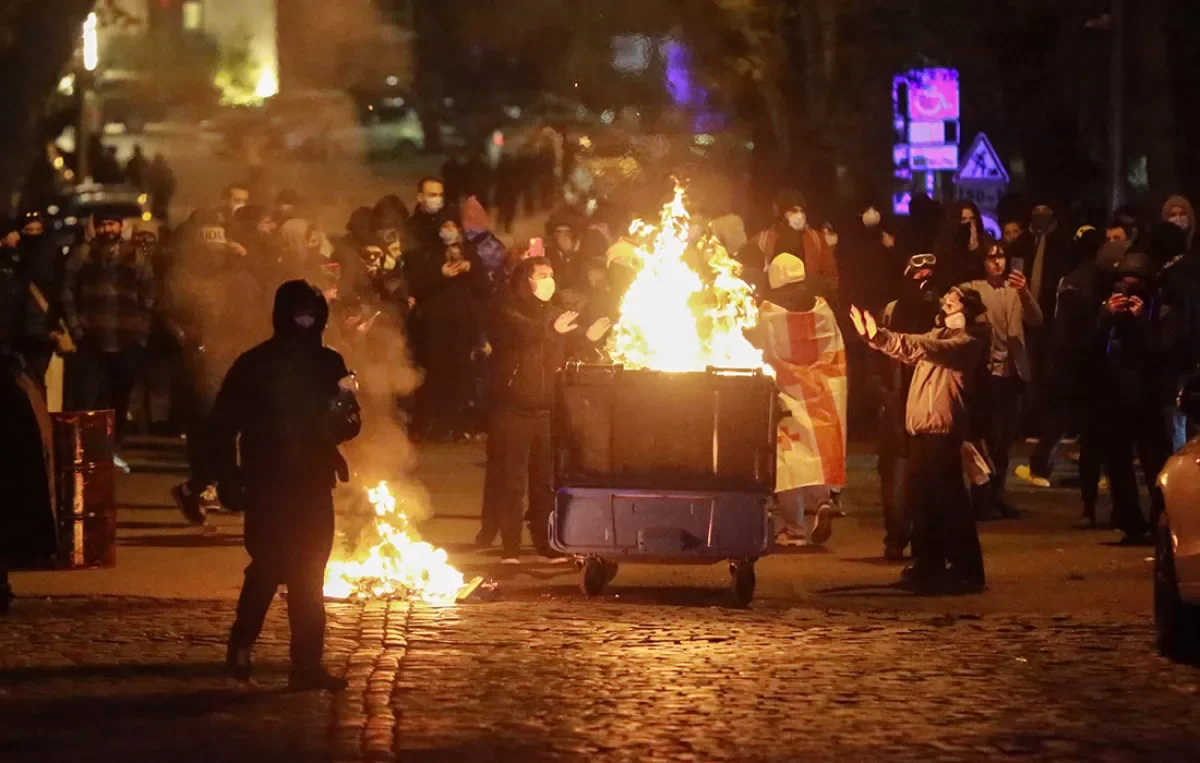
column 209, row 501
column 510, row 560
column 237, row 662
column 315, row 679
column 552, row 559
column 1137, row 539
column 1023, row 472
column 189, row 504
column 121, row 463
column 823, row 528
column 790, row 536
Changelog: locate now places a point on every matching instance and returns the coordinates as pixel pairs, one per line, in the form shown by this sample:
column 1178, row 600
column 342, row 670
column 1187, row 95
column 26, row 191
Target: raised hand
column 565, row 323
column 856, row 318
column 598, row 329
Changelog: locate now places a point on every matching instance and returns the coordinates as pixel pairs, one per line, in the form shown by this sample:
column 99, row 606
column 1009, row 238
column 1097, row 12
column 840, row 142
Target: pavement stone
column 596, row 681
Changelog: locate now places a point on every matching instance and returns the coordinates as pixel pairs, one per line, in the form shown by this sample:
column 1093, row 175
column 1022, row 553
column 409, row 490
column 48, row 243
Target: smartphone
column 1018, row 265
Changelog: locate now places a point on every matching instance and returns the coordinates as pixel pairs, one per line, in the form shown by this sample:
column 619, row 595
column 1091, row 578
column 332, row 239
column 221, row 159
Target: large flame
column 399, row 566
column 675, row 318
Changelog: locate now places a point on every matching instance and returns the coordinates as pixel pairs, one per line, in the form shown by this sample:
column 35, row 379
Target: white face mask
column 449, row 236
column 543, row 289
column 1182, row 221
column 797, row 220
column 956, row 321
column 434, row 205
column 871, row 217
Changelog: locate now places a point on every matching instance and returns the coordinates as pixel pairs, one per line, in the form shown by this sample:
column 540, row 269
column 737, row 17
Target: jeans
column 519, row 452
column 105, row 380
column 943, row 525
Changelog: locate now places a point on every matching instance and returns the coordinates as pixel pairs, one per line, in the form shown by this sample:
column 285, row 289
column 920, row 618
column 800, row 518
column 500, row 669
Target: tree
column 37, row 39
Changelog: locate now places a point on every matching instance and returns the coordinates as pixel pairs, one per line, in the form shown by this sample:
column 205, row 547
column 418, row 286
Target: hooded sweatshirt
column 1188, row 209
column 278, row 397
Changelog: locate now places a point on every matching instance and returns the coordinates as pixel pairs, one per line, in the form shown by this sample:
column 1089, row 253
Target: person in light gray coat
column 945, row 361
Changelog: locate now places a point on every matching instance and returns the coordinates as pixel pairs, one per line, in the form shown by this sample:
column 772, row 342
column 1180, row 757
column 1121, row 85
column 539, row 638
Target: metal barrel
column 84, row 444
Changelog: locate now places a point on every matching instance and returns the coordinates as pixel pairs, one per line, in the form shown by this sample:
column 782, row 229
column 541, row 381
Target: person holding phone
column 1010, row 309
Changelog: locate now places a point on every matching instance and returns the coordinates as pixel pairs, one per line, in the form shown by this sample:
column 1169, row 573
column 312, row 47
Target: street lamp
column 91, row 59
column 91, row 44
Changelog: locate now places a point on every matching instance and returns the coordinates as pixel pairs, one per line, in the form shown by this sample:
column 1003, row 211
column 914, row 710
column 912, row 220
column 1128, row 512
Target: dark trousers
column 450, row 380
column 289, row 534
column 1090, row 461
column 1120, row 434
column 1004, row 421
column 943, row 525
column 897, row 513
column 105, row 380
column 519, row 451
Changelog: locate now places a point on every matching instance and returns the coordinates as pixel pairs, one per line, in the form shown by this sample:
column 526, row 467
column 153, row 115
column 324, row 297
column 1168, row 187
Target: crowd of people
column 1051, row 331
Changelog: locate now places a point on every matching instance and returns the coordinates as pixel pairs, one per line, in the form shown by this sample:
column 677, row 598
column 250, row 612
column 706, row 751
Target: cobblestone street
column 126, row 679
column 1054, row 662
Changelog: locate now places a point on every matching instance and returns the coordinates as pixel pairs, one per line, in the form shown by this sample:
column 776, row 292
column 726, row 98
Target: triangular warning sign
column 981, row 164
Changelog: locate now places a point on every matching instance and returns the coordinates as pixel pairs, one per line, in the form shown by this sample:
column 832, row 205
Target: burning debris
column 399, row 566
column 675, row 317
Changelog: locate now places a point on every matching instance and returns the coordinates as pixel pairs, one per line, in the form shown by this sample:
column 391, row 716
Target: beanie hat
column 474, row 216
column 785, row 269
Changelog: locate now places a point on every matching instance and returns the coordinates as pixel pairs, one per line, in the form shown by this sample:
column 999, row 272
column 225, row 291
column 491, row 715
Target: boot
column 315, row 678
column 237, row 661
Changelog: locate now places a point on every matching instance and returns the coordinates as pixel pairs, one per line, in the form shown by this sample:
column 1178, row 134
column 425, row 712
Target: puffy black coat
column 528, row 351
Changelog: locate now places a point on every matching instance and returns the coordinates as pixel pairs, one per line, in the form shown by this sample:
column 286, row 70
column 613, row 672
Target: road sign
column 981, row 165
column 983, row 196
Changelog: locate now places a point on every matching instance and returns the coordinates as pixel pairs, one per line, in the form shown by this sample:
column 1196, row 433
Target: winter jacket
column 44, row 268
column 1012, row 312
column 1189, row 210
column 280, row 398
column 945, row 361
column 108, row 295
column 528, row 351
column 1180, row 314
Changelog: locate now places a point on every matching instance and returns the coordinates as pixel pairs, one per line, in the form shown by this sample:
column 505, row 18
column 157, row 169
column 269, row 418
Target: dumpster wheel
column 594, row 575
column 742, row 578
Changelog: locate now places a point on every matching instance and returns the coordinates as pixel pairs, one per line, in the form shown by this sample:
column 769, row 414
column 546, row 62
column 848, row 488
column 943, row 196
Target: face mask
column 797, row 220
column 871, row 217
column 434, row 205
column 1041, row 224
column 1182, row 221
column 956, row 321
column 449, row 236
column 543, row 289
column 235, row 206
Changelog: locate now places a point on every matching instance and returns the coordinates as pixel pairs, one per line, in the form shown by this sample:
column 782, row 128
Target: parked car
column 1177, row 550
column 72, row 213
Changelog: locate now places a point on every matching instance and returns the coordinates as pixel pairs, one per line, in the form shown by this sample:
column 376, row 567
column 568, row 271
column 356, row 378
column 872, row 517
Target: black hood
column 296, row 298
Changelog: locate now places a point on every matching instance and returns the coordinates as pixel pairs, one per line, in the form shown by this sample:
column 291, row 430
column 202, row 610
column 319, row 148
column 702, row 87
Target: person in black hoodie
column 449, row 286
column 914, row 311
column 283, row 409
column 533, row 338
column 43, row 271
column 962, row 245
column 1128, row 384
column 1179, row 311
column 209, row 311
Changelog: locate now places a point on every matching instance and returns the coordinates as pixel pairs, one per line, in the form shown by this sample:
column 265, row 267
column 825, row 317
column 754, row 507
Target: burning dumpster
column 668, row 455
column 663, row 467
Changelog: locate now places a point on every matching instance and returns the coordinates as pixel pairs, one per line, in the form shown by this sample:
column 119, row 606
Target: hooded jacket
column 281, row 398
column 529, row 352
column 1189, row 210
column 945, row 360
